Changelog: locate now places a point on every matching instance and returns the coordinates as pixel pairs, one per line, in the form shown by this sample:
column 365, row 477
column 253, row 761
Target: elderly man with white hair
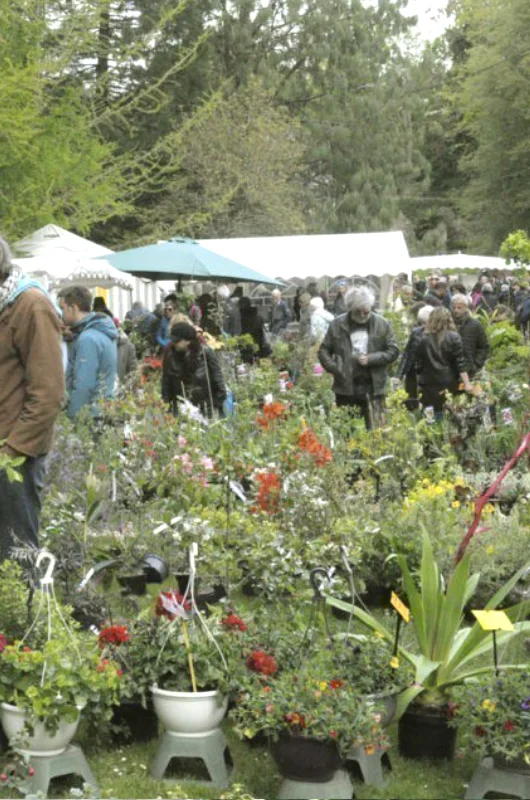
column 357, row 350
column 474, row 338
column 280, row 314
column 320, row 319
column 407, row 364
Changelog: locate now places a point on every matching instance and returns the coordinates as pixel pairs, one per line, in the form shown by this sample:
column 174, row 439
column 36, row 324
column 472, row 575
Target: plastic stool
column 371, row 766
column 210, row 748
column 339, row 787
column 488, row 778
column 71, row 762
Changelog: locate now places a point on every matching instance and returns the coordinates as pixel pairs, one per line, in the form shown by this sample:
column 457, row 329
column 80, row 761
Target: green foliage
column 14, row 596
column 516, row 247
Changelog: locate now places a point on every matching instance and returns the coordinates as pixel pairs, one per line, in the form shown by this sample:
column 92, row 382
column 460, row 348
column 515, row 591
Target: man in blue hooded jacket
column 92, row 360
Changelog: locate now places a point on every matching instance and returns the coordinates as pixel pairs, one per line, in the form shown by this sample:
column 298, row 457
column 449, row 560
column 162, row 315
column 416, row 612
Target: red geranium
column 233, row 621
column 3, row 642
column 259, row 661
column 113, row 634
column 171, row 605
column 336, row 683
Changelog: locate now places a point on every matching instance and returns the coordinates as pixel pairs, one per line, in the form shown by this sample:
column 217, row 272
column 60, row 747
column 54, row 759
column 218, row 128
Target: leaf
column 406, row 698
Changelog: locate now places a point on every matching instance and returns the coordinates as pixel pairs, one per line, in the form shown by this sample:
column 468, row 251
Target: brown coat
column 31, row 373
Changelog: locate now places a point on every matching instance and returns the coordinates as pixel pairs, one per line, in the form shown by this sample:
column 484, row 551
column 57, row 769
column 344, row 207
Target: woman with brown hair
column 440, row 361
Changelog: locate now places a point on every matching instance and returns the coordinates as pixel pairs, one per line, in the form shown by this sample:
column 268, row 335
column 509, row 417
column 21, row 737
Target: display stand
column 71, row 762
column 211, row 749
column 371, row 766
column 488, row 778
column 339, row 787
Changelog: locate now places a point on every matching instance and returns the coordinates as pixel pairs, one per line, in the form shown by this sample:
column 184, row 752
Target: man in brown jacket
column 31, row 396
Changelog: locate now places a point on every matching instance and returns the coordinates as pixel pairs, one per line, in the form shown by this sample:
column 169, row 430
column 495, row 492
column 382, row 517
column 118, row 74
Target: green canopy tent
column 183, row 258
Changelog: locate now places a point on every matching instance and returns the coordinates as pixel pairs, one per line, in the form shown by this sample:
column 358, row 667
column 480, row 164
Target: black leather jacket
column 440, row 363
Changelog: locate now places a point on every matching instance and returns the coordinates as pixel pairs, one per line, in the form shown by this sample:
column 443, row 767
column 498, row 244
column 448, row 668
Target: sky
column 432, row 19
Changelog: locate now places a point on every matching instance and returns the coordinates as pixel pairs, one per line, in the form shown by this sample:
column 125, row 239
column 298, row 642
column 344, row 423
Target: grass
column 123, row 772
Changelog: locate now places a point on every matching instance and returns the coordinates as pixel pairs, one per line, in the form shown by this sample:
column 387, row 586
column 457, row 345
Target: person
column 320, row 319
column 252, row 325
column 407, row 365
column 404, row 298
column 31, row 397
column 230, row 319
column 304, row 327
column 487, row 300
column 162, row 334
column 339, row 306
column 191, row 371
column 357, row 350
column 127, row 361
column 440, row 361
column 137, row 311
column 438, row 294
column 92, row 362
column 280, row 315
column 100, row 307
column 474, row 338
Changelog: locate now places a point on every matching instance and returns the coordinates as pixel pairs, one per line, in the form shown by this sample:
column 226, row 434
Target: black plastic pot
column 136, row 723
column 210, row 596
column 376, row 596
column 155, row 568
column 183, row 580
column 424, row 733
column 133, row 584
column 301, row 759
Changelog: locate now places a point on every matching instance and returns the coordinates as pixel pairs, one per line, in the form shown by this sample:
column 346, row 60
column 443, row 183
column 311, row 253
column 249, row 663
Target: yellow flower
column 323, row 686
column 489, row 705
column 490, row 550
column 379, row 635
column 455, row 504
column 394, row 662
column 369, row 750
column 488, row 509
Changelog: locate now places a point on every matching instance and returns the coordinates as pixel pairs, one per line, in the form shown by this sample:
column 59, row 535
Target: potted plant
column 492, row 715
column 44, row 690
column 312, row 716
column 181, row 658
column 447, row 652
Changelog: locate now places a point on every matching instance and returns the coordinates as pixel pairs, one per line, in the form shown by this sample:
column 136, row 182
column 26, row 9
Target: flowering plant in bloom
column 271, row 413
column 54, row 682
column 493, row 715
column 113, row 635
column 312, row 702
column 269, row 490
column 309, row 443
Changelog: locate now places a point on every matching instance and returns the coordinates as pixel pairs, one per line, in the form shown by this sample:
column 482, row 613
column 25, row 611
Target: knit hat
column 183, row 331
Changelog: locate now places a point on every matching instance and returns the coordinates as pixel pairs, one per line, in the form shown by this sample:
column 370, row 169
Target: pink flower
column 182, row 441
column 206, row 462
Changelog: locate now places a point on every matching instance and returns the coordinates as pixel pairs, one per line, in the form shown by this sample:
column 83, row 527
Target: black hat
column 183, row 330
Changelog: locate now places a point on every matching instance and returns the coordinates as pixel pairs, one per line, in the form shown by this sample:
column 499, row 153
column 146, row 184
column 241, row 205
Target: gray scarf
column 7, row 288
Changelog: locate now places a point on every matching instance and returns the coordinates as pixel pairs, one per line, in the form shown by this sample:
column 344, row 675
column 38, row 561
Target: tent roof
column 51, row 240
column 315, row 256
column 459, row 261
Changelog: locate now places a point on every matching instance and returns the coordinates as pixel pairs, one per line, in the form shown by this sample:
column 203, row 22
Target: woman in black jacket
column 252, row 325
column 440, row 361
column 407, row 365
column 191, row 371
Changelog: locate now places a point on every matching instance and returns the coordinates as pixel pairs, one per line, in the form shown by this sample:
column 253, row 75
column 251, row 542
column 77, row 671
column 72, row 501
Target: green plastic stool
column 210, row 748
column 339, row 787
column 371, row 766
column 488, row 778
column 71, row 762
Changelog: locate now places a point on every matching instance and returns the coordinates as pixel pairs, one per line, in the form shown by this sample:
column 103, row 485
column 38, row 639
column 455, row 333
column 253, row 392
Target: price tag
column 400, row 607
column 493, row 620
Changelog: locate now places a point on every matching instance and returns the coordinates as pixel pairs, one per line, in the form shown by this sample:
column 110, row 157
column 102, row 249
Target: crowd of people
column 72, row 353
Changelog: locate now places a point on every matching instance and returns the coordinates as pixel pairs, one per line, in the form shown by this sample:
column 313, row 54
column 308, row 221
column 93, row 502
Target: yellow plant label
column 394, row 662
column 493, row 620
column 400, row 607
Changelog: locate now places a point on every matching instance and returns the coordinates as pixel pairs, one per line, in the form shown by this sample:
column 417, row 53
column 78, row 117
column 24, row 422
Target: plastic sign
column 493, row 620
column 400, row 607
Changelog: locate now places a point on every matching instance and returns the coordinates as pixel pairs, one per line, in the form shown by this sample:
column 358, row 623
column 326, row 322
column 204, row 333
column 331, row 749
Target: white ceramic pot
column 42, row 743
column 189, row 713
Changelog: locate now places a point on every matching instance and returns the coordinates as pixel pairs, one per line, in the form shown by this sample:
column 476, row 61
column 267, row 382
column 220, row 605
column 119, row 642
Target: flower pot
column 424, row 732
column 183, row 580
column 133, row 584
column 376, row 595
column 305, row 759
column 518, row 765
column 136, row 723
column 154, row 568
column 189, row 713
column 42, row 743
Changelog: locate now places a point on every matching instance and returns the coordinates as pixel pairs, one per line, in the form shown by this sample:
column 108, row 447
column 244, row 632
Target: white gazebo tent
column 59, row 257
column 350, row 255
column 456, row 261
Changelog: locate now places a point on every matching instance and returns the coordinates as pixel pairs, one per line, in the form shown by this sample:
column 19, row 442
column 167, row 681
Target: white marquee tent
column 58, row 257
column 456, row 261
column 315, row 256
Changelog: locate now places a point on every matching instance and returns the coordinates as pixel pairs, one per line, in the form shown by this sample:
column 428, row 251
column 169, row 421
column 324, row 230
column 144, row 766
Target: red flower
column 452, row 709
column 3, row 642
column 271, row 412
column 259, row 661
column 295, row 720
column 479, row 731
column 336, row 683
column 233, row 621
column 333, row 734
column 308, row 442
column 103, row 664
column 113, row 634
column 509, row 726
column 268, row 497
column 171, row 605
column 31, row 771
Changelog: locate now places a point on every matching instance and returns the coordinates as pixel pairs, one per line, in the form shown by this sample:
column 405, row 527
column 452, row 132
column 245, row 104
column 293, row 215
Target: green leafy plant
column 447, row 652
column 493, row 715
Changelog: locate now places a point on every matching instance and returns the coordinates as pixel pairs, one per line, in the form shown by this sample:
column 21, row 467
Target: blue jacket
column 162, row 334
column 92, row 363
